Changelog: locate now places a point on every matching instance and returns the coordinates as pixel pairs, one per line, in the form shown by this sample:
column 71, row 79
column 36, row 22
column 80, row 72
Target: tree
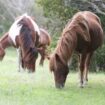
column 64, row 9
column 10, row 9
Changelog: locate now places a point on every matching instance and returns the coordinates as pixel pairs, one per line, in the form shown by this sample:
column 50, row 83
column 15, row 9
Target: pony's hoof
column 18, row 70
column 85, row 83
column 81, row 85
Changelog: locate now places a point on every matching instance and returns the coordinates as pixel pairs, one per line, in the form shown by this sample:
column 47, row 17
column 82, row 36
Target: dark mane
column 26, row 33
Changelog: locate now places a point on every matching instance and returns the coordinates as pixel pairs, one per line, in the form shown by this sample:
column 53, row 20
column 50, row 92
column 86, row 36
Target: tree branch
column 96, row 8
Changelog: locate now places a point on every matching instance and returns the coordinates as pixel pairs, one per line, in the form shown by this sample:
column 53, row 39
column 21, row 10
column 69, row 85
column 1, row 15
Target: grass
column 21, row 88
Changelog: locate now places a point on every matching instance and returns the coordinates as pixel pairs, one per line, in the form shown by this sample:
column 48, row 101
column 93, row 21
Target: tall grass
column 21, row 88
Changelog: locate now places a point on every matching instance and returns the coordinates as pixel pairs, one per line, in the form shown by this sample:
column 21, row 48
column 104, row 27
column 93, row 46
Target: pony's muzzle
column 31, row 71
column 59, row 86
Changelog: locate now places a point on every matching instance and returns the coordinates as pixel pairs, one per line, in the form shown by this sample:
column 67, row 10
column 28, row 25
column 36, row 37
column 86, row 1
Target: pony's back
column 44, row 38
column 95, row 29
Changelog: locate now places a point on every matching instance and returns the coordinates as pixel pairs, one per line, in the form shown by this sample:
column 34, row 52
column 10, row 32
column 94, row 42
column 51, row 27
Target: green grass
column 21, row 88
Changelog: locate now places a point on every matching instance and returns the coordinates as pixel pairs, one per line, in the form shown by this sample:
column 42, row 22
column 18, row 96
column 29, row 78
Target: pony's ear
column 60, row 59
column 57, row 58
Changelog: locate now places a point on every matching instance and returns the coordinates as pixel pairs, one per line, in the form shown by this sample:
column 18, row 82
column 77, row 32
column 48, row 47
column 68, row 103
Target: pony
column 5, row 42
column 23, row 34
column 42, row 44
column 83, row 34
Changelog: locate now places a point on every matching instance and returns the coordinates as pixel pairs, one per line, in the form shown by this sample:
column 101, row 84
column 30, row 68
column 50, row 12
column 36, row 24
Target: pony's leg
column 18, row 53
column 82, row 59
column 87, row 63
column 19, row 60
column 42, row 58
column 43, row 54
column 2, row 53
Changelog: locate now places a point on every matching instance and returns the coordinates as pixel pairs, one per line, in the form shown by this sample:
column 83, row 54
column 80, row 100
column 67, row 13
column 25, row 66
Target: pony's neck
column 5, row 41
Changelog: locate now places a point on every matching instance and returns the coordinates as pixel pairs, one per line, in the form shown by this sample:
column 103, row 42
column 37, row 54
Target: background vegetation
column 53, row 16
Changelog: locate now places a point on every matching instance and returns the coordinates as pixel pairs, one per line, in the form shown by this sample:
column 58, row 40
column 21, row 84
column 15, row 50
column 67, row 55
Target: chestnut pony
column 43, row 43
column 83, row 34
column 23, row 34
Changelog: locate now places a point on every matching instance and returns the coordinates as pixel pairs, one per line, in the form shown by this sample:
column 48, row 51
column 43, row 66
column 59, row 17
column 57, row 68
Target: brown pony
column 25, row 38
column 83, row 34
column 43, row 43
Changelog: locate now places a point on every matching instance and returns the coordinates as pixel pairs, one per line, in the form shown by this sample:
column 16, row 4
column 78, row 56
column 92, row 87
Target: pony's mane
column 26, row 33
column 77, row 26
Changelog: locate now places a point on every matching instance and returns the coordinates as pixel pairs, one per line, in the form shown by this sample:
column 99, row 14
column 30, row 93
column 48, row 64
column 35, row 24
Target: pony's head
column 59, row 69
column 27, row 44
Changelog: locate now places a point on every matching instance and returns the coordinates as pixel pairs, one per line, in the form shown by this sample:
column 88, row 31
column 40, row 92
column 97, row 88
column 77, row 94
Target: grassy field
column 21, row 88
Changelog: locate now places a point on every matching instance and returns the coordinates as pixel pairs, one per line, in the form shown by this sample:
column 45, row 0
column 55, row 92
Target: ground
column 22, row 88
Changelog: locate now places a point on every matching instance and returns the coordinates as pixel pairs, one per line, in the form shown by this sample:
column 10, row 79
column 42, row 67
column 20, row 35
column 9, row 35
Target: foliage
column 65, row 9
column 57, row 8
